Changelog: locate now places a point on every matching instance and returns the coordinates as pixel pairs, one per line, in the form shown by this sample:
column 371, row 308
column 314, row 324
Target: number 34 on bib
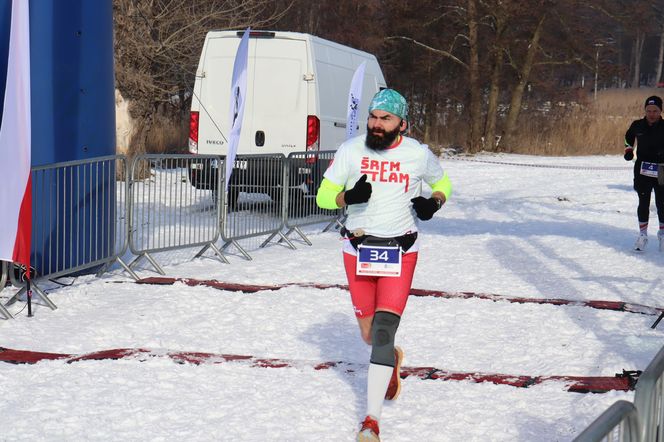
column 378, row 260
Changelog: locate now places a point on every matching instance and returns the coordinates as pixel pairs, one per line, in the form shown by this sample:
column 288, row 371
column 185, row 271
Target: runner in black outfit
column 648, row 132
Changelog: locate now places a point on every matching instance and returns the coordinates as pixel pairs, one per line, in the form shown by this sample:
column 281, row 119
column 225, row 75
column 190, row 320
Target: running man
column 648, row 132
column 379, row 179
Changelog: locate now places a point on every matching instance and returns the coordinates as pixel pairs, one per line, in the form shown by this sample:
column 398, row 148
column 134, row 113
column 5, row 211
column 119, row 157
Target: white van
column 297, row 93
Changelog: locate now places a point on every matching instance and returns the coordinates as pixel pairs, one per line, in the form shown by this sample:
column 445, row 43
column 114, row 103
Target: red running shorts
column 371, row 293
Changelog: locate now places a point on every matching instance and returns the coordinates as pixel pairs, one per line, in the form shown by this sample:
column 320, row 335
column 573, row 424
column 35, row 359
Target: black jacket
column 649, row 140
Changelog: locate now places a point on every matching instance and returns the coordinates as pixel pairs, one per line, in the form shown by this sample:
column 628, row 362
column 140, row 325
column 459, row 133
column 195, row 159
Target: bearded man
column 378, row 178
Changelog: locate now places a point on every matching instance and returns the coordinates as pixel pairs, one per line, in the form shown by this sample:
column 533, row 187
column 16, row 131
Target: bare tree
column 497, row 17
column 523, row 75
column 660, row 57
column 474, row 77
column 158, row 44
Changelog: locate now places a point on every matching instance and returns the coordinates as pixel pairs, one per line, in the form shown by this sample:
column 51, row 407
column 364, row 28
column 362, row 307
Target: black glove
column 360, row 193
column 629, row 154
column 425, row 207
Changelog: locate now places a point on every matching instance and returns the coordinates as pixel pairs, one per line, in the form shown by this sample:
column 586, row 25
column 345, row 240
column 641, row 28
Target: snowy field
column 540, row 232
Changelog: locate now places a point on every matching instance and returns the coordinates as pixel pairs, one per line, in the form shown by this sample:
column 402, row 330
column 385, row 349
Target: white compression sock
column 377, row 381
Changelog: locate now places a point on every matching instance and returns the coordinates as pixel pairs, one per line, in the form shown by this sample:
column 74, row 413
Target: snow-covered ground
column 512, row 230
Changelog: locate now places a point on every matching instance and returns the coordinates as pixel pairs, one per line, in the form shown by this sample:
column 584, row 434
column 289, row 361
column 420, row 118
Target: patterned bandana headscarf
column 391, row 101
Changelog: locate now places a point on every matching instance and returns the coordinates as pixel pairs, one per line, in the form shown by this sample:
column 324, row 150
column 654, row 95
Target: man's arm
column 442, row 189
column 426, row 207
column 630, row 137
column 330, row 195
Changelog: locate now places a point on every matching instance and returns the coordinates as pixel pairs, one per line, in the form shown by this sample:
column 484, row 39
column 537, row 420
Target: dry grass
column 587, row 127
column 592, row 128
column 168, row 136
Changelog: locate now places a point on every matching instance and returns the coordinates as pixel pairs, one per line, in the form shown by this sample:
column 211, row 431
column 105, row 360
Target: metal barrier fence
column 3, row 282
column 619, row 423
column 167, row 212
column 304, row 173
column 256, row 201
column 78, row 218
column 89, row 213
column 648, row 406
column 78, row 215
column 648, row 399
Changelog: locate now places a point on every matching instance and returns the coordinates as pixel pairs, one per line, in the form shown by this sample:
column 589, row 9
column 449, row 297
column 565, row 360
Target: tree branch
column 429, row 48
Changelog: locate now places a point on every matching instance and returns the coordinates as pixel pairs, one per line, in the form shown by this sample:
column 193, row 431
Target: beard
column 379, row 139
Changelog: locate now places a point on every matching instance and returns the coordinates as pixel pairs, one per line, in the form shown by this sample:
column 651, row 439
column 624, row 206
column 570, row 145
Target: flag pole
column 29, row 290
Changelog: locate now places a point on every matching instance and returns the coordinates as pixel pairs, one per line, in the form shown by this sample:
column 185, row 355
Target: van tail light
column 257, row 34
column 193, row 132
column 313, row 137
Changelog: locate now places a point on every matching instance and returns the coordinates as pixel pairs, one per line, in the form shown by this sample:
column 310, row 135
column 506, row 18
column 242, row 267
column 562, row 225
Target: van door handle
column 260, row 138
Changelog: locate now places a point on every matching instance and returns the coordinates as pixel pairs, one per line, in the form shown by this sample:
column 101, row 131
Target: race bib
column 378, row 260
column 649, row 169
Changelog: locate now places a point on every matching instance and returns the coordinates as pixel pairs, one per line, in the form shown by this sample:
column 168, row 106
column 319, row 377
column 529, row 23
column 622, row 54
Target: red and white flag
column 15, row 144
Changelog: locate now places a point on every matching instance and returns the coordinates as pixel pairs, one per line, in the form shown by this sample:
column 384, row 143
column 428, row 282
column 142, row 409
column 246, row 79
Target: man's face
column 382, row 129
column 653, row 113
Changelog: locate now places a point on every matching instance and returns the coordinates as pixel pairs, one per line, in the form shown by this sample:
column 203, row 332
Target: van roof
column 286, row 35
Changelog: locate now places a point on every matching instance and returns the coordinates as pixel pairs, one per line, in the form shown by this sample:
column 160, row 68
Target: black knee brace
column 383, row 329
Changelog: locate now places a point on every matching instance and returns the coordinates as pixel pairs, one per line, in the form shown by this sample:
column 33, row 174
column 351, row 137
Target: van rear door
column 275, row 114
column 278, row 110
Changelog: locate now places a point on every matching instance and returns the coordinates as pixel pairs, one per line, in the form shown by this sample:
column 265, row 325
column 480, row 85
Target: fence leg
column 267, row 241
column 147, row 256
column 302, row 235
column 299, row 232
column 44, row 297
column 135, row 260
column 108, row 265
column 3, row 282
column 128, row 269
column 237, row 246
column 216, row 251
column 4, row 312
column 219, row 253
column 330, row 225
column 200, row 253
column 39, row 293
column 104, row 269
column 154, row 264
column 3, row 275
column 288, row 241
column 288, row 232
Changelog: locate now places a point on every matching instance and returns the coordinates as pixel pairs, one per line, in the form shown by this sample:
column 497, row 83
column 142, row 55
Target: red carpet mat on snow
column 248, row 288
column 580, row 384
